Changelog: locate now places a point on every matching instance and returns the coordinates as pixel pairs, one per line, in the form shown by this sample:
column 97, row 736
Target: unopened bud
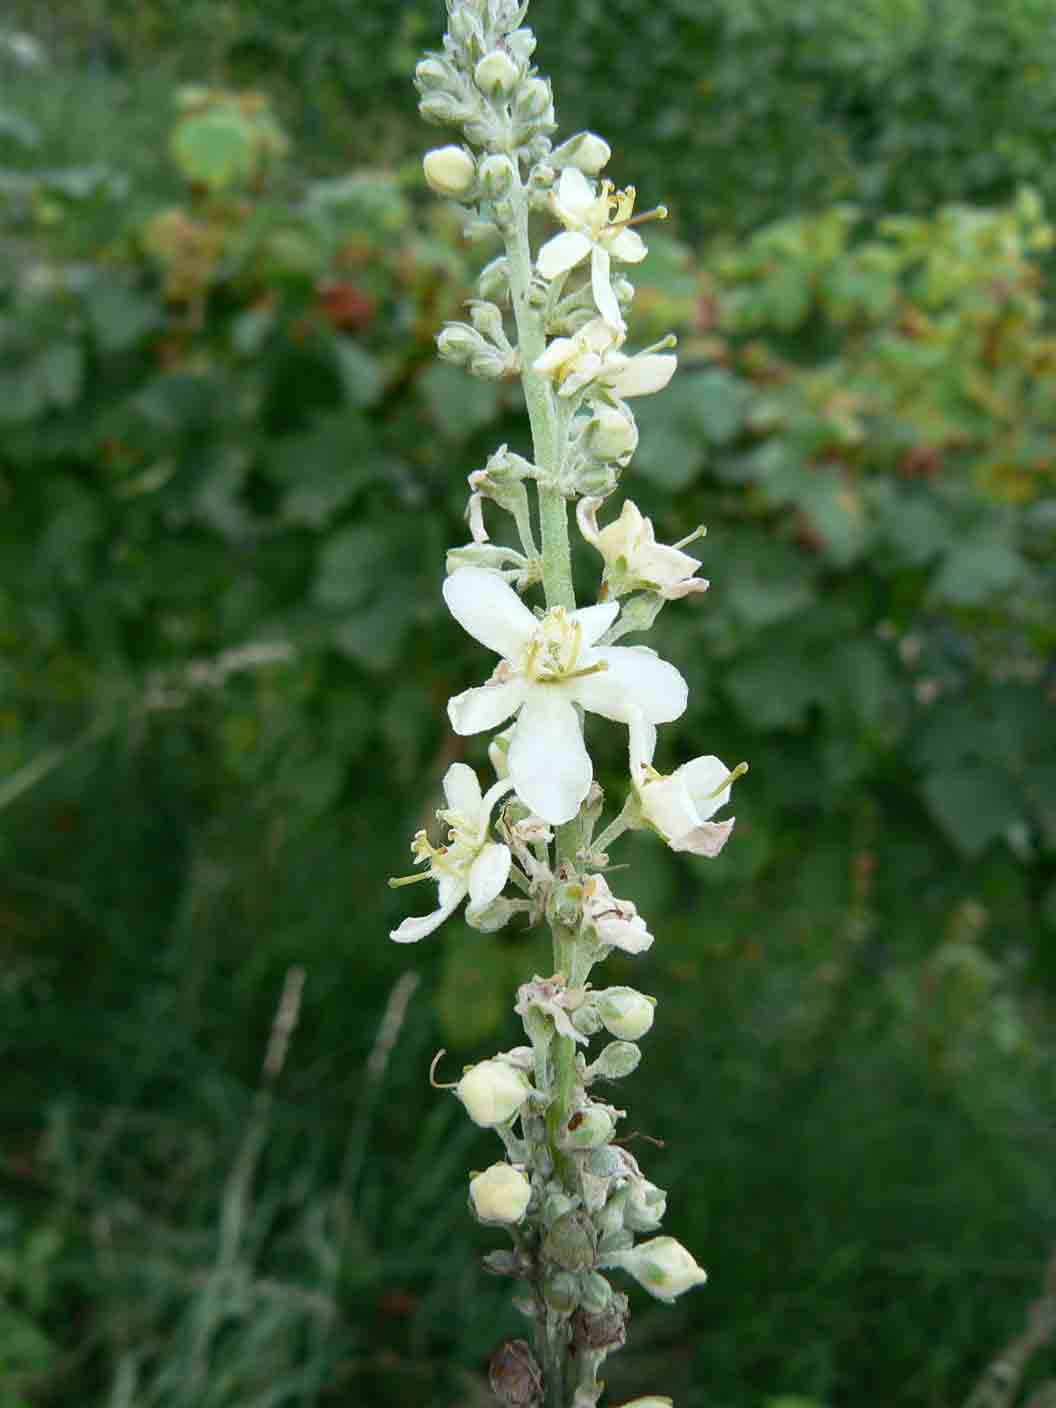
column 458, row 342
column 626, row 1013
column 496, row 175
column 618, row 1059
column 521, row 44
column 450, row 171
column 533, row 99
column 595, row 1292
column 500, row 1195
column 496, row 73
column 603, row 1329
column 439, row 108
column 432, row 73
column 561, row 1292
column 486, row 318
column 644, row 1206
column 494, row 280
column 586, row 150
column 612, row 434
column 588, row 1128
column 492, row 1093
column 586, row 1019
column 571, row 1242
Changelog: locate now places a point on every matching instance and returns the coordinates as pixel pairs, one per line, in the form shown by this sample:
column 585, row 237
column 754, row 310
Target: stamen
column 700, row 532
column 660, row 213
column 738, row 771
column 397, row 882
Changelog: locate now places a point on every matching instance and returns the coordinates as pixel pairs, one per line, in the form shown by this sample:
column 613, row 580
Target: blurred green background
column 229, row 467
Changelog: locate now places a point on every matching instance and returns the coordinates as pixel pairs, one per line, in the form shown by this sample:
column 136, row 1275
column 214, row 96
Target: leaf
column 215, row 148
column 763, row 581
column 120, row 316
column 350, row 566
column 977, row 571
column 60, row 370
column 974, row 805
column 775, row 688
column 359, row 372
column 459, row 404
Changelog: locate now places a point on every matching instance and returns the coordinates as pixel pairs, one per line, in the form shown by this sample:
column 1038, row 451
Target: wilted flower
column 591, row 357
column 616, row 922
column 679, row 806
column 634, row 560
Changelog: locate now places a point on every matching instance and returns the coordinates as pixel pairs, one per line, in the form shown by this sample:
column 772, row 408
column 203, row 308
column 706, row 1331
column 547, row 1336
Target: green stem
column 549, row 429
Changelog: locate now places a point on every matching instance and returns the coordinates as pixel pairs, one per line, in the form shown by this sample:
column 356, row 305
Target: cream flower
column 548, row 666
column 679, row 807
column 633, row 557
column 500, row 1195
column 469, row 864
column 592, row 358
column 596, row 228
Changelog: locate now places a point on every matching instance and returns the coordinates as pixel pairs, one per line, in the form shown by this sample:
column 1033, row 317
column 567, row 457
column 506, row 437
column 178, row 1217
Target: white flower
column 596, row 228
column 633, row 557
column 549, row 666
column 679, row 806
column 450, row 171
column 661, row 1266
column 492, row 1092
column 592, row 358
column 500, row 1194
column 469, row 864
column 616, row 922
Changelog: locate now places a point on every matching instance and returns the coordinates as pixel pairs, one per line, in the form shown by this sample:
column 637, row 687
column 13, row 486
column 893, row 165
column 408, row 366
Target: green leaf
column 359, row 372
column 774, row 689
column 61, row 372
column 974, row 805
column 350, row 565
column 976, row 571
column 762, row 581
column 120, row 316
column 214, row 148
column 459, row 404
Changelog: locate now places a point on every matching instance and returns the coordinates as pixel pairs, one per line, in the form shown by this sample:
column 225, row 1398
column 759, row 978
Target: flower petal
column 707, row 839
column 548, row 760
column 461, row 789
column 667, row 804
column 575, row 193
column 629, row 246
column 563, row 252
column 492, row 612
column 488, row 874
column 555, row 356
column 411, row 930
column 486, row 706
column 636, row 679
column 596, row 620
column 601, row 287
column 644, row 374
column 642, row 740
column 702, row 776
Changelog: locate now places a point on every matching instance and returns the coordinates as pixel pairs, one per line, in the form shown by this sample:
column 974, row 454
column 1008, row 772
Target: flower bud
column 651, row 1402
column 492, row 1093
column 626, row 1013
column 533, row 99
column 561, row 1292
column 661, row 1266
column 432, row 73
column 588, row 1128
column 440, row 108
column 521, row 44
column 556, row 1203
column 612, row 434
column 618, row 1059
column 496, row 73
column 571, row 1242
column 586, row 1019
column 586, row 150
column 500, row 1195
column 494, row 280
column 515, row 1377
column 603, row 1329
column 496, row 175
column 487, row 319
column 458, row 342
column 450, row 171
column 595, row 1292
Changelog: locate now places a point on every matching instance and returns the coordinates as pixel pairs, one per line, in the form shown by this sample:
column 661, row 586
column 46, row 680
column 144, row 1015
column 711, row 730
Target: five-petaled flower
column 549, row 665
column 596, row 228
column 469, row 864
column 679, row 806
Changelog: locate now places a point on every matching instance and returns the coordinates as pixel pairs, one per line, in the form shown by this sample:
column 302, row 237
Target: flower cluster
column 528, row 848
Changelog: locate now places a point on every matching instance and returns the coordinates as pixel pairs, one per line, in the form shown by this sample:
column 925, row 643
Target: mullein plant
column 527, row 846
